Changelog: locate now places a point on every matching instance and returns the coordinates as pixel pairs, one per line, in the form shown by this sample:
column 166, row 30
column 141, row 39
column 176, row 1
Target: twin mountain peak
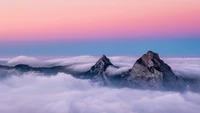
column 148, row 72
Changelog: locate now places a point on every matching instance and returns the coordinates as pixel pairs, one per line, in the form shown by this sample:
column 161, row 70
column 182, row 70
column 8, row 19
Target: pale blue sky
column 168, row 47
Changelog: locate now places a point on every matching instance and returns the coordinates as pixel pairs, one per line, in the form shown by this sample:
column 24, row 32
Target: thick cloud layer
column 34, row 93
column 189, row 67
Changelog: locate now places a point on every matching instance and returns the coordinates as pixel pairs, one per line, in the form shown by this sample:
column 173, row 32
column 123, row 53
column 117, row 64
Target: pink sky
column 25, row 19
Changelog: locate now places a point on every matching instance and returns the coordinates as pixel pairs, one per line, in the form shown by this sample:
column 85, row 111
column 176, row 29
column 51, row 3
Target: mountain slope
column 97, row 71
column 150, row 72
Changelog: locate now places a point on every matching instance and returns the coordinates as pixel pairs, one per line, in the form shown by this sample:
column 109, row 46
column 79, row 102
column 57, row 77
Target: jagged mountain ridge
column 148, row 72
column 97, row 71
column 101, row 65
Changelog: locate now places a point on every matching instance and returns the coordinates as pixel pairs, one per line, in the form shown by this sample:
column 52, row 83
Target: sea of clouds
column 187, row 67
column 62, row 93
column 32, row 92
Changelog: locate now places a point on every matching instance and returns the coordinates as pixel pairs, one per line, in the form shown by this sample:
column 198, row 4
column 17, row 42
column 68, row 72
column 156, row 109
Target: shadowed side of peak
column 105, row 60
column 152, row 55
column 149, row 59
column 97, row 71
column 101, row 65
column 149, row 71
column 103, row 56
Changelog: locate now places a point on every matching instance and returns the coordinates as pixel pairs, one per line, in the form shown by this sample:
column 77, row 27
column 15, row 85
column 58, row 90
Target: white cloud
column 25, row 60
column 123, row 61
column 81, row 67
column 34, row 93
column 114, row 71
column 189, row 67
column 73, row 60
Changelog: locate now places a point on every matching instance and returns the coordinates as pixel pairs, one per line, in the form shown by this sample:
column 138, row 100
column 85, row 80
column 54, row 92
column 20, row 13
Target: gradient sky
column 49, row 27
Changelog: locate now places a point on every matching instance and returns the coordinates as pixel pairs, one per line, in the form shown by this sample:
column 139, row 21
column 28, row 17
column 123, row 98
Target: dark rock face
column 150, row 72
column 100, row 66
column 97, row 72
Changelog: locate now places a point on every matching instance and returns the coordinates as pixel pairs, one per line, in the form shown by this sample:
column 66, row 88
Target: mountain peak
column 149, row 71
column 104, row 60
column 150, row 59
column 103, row 56
column 101, row 65
column 152, row 55
column 97, row 71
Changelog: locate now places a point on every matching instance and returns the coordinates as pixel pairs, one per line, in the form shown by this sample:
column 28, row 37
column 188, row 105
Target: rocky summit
column 150, row 72
column 97, row 71
column 101, row 65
